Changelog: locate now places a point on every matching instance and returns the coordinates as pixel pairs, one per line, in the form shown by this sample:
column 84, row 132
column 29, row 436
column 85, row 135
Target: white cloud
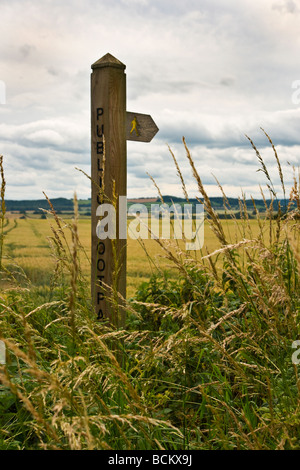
column 45, row 137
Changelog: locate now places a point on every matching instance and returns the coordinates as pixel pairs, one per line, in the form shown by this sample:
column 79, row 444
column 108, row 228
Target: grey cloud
column 53, row 71
column 140, row 173
column 287, row 6
column 231, row 130
column 144, row 85
column 26, row 50
column 227, row 81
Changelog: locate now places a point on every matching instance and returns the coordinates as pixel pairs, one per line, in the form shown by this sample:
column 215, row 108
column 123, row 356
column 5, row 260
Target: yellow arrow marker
column 134, row 124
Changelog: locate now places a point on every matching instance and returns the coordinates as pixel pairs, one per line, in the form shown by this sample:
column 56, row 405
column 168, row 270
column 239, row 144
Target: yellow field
column 26, row 244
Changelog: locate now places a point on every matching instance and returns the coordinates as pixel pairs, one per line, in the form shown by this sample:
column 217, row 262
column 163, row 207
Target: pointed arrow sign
column 140, row 127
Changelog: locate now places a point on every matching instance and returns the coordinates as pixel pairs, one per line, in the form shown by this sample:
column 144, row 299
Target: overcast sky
column 209, row 70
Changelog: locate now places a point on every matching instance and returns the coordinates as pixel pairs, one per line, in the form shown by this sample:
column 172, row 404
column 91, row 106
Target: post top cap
column 108, row 60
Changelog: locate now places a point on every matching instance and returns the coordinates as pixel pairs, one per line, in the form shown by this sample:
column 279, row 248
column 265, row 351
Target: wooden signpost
column 111, row 126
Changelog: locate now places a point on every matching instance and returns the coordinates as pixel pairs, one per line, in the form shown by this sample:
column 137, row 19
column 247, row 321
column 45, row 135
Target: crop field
column 27, row 243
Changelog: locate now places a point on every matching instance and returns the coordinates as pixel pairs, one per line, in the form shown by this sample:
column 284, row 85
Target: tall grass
column 206, row 357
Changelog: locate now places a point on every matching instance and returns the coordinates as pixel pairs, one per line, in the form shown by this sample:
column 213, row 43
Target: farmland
column 27, row 244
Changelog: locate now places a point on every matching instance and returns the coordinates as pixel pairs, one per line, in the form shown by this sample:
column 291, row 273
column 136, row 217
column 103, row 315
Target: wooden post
column 108, row 140
column 111, row 127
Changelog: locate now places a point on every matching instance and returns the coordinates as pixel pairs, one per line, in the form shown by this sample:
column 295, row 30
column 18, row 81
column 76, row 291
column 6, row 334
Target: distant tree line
column 64, row 204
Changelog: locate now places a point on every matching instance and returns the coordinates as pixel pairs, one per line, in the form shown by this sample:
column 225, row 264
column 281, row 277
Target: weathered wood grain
column 108, row 172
